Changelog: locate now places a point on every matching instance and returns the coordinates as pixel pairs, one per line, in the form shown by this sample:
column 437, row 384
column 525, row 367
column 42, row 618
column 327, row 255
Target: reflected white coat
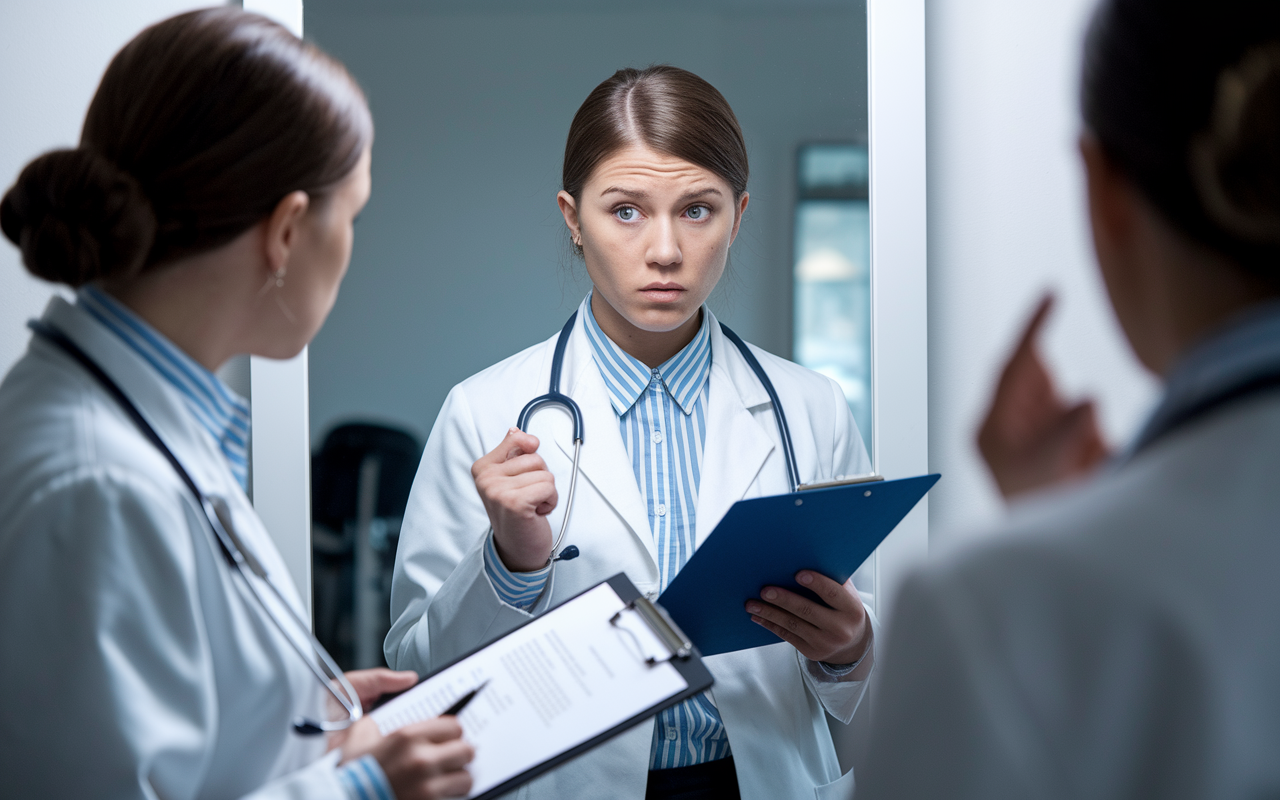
column 134, row 663
column 443, row 604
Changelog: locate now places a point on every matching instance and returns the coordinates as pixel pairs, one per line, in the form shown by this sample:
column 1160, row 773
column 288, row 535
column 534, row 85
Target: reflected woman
column 654, row 192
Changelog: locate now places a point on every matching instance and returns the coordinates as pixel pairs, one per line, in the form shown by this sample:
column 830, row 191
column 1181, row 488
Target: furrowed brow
column 634, row 193
column 710, row 190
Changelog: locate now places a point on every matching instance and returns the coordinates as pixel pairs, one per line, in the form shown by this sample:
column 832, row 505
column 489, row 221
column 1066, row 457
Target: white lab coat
column 133, row 662
column 1119, row 639
column 443, row 604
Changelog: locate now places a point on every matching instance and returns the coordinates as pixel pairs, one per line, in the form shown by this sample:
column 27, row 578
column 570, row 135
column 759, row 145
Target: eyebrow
column 642, row 195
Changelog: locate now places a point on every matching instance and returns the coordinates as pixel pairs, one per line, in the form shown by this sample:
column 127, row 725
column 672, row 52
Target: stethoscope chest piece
column 554, row 397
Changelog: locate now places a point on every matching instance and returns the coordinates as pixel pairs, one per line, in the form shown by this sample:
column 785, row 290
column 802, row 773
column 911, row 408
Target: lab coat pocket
column 839, row 789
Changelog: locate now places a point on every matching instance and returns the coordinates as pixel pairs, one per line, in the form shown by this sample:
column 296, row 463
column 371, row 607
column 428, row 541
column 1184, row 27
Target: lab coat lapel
column 164, row 410
column 604, row 461
column 736, row 446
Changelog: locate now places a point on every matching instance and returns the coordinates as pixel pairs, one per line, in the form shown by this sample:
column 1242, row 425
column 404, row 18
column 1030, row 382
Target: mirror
column 462, row 259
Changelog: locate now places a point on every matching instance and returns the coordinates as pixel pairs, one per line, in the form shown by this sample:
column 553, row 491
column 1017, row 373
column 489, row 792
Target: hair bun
column 1236, row 163
column 77, row 217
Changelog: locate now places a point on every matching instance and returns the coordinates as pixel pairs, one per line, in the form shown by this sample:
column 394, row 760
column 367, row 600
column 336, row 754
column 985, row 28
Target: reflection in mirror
column 833, row 271
column 462, row 258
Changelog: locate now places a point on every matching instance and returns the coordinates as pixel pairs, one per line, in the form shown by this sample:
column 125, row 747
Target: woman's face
column 655, row 232
column 319, row 261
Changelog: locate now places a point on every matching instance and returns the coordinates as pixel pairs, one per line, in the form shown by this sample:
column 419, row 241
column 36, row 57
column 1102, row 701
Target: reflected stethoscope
column 555, row 398
column 240, row 558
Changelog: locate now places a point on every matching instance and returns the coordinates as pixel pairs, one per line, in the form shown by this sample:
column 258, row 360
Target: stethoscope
column 238, row 557
column 1244, row 389
column 555, row 398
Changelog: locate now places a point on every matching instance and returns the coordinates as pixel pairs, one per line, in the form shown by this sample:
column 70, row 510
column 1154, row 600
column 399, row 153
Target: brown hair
column 1184, row 97
column 201, row 125
column 666, row 108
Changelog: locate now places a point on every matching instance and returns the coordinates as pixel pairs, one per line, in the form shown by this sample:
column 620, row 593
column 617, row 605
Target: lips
column 663, row 292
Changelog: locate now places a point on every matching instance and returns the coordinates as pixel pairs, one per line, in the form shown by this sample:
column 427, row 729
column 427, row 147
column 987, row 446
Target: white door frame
column 899, row 336
column 899, row 297
column 281, row 426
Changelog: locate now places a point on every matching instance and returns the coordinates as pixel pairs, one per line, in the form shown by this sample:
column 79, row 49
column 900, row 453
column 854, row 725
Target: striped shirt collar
column 220, row 411
column 626, row 377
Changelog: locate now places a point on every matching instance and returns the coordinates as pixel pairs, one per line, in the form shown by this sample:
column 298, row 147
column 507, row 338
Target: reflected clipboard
column 764, row 541
column 558, row 685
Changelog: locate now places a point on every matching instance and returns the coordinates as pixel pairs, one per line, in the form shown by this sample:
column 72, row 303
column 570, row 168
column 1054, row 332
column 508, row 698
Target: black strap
column 57, row 337
column 557, row 361
column 1259, row 384
column 784, row 431
column 64, row 343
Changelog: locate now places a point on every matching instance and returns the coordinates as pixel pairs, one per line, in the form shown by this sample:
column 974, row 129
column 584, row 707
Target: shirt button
column 671, row 734
column 662, row 509
column 657, row 437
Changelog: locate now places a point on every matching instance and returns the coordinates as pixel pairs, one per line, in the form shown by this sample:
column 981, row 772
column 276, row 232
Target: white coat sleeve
column 443, row 604
column 841, row 697
column 106, row 663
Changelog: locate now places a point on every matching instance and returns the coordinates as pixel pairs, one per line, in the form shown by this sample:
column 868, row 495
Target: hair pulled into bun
column 200, row 126
column 1236, row 162
column 1184, row 98
column 78, row 218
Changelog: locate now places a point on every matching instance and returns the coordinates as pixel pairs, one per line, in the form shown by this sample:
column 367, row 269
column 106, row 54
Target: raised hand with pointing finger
column 1031, row 438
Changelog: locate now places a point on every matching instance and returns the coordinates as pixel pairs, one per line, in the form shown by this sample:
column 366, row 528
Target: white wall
column 1006, row 222
column 52, row 55
column 459, row 259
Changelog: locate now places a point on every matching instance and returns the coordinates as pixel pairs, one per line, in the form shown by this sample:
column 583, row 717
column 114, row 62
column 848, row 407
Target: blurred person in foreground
column 1118, row 637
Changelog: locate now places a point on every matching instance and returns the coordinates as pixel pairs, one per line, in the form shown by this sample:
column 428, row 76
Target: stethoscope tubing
column 237, row 557
column 554, row 397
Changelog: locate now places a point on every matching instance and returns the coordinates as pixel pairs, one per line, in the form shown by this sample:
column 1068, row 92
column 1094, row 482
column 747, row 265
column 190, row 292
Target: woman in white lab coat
column 1117, row 637
column 678, row 428
column 207, row 212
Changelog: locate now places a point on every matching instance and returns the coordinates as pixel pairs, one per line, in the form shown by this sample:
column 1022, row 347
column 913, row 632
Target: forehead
column 639, row 167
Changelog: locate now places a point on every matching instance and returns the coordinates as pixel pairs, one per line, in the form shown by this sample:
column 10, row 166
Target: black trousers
column 714, row 780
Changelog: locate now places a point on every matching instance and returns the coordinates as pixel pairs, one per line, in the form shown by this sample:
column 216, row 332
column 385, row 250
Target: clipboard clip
column 656, row 617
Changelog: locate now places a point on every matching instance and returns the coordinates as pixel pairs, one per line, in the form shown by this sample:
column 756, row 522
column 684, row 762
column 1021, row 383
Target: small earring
column 275, row 279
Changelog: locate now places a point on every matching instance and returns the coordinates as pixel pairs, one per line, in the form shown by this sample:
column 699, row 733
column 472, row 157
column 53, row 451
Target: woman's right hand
column 518, row 492
column 423, row 761
column 1031, row 439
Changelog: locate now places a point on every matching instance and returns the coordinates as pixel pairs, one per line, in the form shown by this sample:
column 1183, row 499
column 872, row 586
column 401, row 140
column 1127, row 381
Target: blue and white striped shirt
column 220, row 411
column 225, row 415
column 662, row 418
column 363, row 779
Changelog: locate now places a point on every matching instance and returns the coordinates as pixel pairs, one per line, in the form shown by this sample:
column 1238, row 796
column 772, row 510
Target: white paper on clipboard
column 559, row 681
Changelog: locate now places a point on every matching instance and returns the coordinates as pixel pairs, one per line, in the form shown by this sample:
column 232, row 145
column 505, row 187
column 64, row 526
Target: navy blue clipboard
column 765, row 541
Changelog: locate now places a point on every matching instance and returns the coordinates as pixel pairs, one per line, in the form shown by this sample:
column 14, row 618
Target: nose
column 664, row 244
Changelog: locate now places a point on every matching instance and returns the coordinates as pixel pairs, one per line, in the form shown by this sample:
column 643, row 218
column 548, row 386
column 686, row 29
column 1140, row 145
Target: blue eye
column 626, row 214
column 698, row 212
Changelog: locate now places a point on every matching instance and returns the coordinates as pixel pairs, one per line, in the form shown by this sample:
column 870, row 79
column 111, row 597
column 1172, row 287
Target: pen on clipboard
column 456, row 709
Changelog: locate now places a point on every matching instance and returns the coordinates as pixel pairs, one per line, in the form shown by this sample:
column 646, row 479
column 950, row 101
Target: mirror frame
column 899, row 334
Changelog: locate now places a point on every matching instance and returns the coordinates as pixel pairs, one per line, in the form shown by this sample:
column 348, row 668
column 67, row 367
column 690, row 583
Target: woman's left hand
column 837, row 635
column 370, row 684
